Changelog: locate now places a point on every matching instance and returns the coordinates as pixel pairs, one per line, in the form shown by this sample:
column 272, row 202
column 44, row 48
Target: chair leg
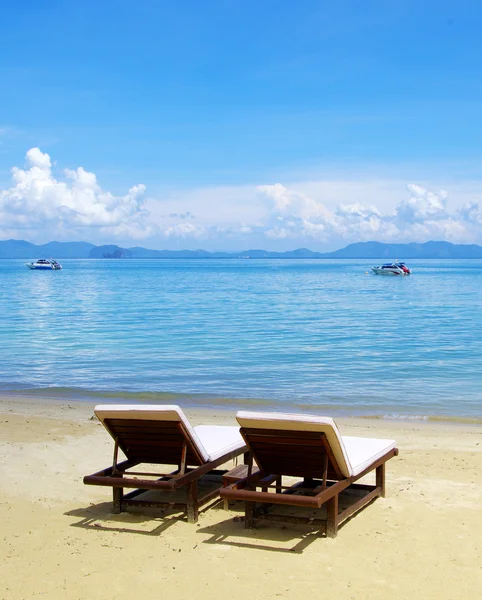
column 380, row 479
column 192, row 502
column 118, row 494
column 249, row 515
column 332, row 517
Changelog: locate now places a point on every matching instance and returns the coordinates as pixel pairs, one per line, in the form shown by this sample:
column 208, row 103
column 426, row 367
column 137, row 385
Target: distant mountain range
column 372, row 250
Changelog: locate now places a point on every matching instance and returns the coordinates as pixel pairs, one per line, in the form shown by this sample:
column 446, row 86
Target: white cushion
column 352, row 454
column 218, row 440
column 211, row 441
column 362, row 452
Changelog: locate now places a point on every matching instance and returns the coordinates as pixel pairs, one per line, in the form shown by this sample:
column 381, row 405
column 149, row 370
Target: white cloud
column 279, row 233
column 422, row 205
column 360, row 211
column 295, row 214
column 291, row 202
column 184, row 230
column 70, row 206
column 472, row 212
column 38, row 159
column 422, row 216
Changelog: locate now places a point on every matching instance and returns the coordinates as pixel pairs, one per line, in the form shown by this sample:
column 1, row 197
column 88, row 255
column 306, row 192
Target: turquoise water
column 300, row 335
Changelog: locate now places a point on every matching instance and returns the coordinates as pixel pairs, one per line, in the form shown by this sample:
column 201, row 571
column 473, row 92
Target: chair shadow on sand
column 285, row 539
column 229, row 531
column 149, row 522
column 101, row 516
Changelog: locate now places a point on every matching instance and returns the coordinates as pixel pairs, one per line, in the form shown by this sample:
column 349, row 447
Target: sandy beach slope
column 59, row 539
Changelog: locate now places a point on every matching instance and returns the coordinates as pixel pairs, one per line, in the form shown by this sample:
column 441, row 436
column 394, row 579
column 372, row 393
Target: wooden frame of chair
column 304, row 454
column 146, row 441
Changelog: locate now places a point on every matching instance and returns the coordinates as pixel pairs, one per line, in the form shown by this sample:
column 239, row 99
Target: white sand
column 59, row 539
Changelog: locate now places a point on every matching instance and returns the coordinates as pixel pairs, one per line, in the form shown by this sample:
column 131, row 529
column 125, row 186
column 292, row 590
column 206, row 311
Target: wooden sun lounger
column 311, row 449
column 162, row 435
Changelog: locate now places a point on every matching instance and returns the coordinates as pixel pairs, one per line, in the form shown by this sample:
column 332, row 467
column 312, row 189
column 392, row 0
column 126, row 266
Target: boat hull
column 41, row 268
column 52, row 265
column 386, row 272
column 392, row 269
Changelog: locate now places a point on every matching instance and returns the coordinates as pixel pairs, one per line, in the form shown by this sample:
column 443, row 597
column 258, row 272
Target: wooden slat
column 158, row 442
column 173, row 449
column 147, row 446
column 294, row 453
column 149, row 435
column 162, row 459
column 314, row 462
column 352, row 509
column 254, row 496
column 147, row 474
column 125, row 482
column 154, row 504
column 152, row 441
column 235, row 493
column 275, row 441
column 315, row 454
column 157, row 437
column 282, row 433
column 295, row 520
column 145, row 423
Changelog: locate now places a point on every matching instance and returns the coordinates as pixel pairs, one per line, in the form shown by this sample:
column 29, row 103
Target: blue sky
column 240, row 123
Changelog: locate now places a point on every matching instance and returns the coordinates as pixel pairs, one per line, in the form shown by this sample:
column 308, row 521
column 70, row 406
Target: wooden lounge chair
column 310, row 448
column 162, row 435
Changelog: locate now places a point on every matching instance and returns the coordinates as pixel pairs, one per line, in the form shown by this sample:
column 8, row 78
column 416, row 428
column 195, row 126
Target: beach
column 60, row 539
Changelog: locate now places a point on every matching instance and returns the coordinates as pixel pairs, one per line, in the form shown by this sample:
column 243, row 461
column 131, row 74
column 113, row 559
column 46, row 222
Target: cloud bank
column 75, row 205
column 421, row 216
column 70, row 204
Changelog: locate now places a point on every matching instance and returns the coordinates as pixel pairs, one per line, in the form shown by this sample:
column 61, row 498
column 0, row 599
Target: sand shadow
column 137, row 519
column 267, row 536
column 99, row 517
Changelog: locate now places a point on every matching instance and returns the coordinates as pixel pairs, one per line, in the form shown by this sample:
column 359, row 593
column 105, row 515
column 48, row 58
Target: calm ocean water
column 297, row 335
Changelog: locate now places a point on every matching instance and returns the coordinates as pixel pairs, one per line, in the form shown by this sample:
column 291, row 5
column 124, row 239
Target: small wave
column 336, row 407
column 427, row 418
column 88, row 395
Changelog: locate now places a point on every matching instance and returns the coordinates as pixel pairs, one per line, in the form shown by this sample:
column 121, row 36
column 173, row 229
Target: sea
column 313, row 336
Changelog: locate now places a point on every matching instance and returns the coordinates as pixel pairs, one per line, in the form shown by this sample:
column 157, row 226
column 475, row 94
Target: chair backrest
column 296, row 445
column 152, row 434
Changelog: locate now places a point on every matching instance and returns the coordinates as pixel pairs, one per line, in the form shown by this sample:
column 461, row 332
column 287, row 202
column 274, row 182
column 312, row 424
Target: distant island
column 366, row 250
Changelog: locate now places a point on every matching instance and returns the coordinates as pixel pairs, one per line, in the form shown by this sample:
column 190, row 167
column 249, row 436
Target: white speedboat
column 44, row 264
column 396, row 268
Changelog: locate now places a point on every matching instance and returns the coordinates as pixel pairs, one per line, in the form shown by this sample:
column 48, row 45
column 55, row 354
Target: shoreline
column 219, row 404
column 80, row 413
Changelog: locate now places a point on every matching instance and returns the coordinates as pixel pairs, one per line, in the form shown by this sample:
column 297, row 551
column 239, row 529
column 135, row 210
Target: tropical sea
column 320, row 336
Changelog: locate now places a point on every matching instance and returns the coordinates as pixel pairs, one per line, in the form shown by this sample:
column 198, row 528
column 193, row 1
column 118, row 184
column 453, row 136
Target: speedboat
column 44, row 264
column 396, row 268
